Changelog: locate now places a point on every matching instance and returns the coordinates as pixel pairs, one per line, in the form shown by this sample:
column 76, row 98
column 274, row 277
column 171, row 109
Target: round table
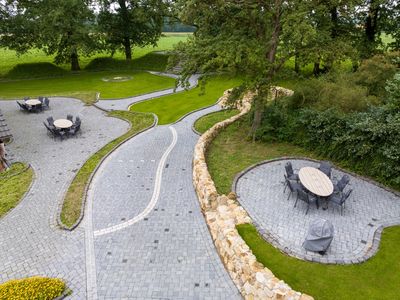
column 32, row 102
column 63, row 123
column 316, row 181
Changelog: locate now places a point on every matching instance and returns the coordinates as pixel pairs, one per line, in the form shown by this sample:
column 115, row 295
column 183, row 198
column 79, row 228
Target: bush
column 39, row 288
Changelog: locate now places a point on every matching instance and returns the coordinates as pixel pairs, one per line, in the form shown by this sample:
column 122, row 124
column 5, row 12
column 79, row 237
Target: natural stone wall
column 223, row 213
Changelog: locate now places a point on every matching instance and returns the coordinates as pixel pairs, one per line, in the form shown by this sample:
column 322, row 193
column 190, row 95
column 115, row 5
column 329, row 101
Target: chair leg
column 308, row 207
column 284, row 190
column 297, row 198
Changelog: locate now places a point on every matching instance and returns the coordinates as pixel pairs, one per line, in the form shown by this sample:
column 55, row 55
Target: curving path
column 149, row 238
column 143, row 235
column 123, row 104
column 357, row 233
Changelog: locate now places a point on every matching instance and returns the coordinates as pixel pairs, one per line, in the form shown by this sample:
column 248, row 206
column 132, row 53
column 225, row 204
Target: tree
column 60, row 28
column 131, row 23
column 253, row 38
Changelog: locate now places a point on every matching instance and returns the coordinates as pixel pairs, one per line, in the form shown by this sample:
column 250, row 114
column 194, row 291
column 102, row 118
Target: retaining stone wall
column 223, row 213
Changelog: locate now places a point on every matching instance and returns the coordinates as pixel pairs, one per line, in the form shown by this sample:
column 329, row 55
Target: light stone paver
column 123, row 104
column 30, row 241
column 170, row 253
column 369, row 208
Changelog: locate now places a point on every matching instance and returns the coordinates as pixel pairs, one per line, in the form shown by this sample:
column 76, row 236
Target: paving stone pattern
column 368, row 209
column 123, row 104
column 30, row 241
column 169, row 254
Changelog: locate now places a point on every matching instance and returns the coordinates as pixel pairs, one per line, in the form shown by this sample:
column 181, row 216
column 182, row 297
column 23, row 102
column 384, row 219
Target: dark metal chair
column 70, row 117
column 23, row 106
column 41, row 99
column 290, row 173
column 341, row 184
column 293, row 186
column 46, row 103
column 339, row 199
column 50, row 120
column 307, row 198
column 326, row 168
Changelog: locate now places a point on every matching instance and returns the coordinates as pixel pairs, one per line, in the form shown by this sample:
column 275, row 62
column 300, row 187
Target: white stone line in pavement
column 91, row 279
column 155, row 196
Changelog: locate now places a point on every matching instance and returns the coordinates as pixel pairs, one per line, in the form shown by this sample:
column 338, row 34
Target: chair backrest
column 326, row 168
column 289, row 169
column 26, row 98
column 77, row 119
column 347, row 194
column 46, row 101
column 51, row 121
column 303, row 196
column 40, row 98
column 70, row 117
column 343, row 182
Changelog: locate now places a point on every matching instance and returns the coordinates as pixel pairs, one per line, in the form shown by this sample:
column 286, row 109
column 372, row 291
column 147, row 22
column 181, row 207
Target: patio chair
column 50, row 120
column 46, row 103
column 26, row 98
column 49, row 129
column 22, row 106
column 41, row 99
column 290, row 173
column 307, row 198
column 59, row 133
column 339, row 199
column 70, row 117
column 37, row 108
column 341, row 184
column 294, row 187
column 326, row 168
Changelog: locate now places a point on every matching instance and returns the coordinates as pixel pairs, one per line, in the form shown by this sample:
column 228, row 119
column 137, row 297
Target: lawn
column 170, row 108
column 85, row 85
column 204, row 123
column 378, row 278
column 13, row 185
column 72, row 204
column 9, row 59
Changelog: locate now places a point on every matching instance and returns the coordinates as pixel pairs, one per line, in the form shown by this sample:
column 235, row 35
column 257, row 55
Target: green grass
column 71, row 209
column 377, row 278
column 85, row 85
column 170, row 108
column 206, row 122
column 10, row 60
column 13, row 186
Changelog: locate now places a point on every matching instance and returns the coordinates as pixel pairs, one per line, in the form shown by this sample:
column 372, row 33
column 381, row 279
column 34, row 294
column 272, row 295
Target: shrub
column 39, row 288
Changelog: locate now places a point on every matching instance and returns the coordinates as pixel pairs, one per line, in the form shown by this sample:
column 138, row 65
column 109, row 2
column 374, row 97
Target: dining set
column 313, row 185
column 34, row 105
column 63, row 127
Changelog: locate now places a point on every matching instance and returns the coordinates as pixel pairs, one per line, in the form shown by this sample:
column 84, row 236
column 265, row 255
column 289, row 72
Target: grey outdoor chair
column 41, row 99
column 341, row 184
column 326, row 168
column 46, row 103
column 70, row 117
column 294, row 187
column 307, row 198
column 50, row 120
column 339, row 199
column 23, row 106
column 290, row 173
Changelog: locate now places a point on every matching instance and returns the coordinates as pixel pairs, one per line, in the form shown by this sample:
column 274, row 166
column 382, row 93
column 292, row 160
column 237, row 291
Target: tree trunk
column 371, row 22
column 335, row 22
column 258, row 114
column 317, row 69
column 128, row 49
column 296, row 63
column 75, row 61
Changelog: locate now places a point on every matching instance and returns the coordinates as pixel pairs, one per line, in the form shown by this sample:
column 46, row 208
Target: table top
column 316, row 181
column 62, row 123
column 32, row 102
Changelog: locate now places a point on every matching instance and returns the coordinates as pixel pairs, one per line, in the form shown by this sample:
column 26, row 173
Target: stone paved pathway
column 160, row 247
column 167, row 253
column 30, row 241
column 123, row 104
column 370, row 207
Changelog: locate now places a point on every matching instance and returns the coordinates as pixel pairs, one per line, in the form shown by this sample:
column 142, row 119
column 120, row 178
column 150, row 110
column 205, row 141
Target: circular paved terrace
column 357, row 232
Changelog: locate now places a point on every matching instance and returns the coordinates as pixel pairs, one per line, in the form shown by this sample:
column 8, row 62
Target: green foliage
column 377, row 278
column 369, row 141
column 39, row 288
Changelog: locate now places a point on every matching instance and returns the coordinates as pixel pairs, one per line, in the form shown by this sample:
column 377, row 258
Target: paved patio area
column 357, row 232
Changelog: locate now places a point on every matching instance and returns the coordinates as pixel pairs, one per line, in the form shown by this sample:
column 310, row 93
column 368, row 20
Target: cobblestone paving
column 30, row 241
column 169, row 254
column 370, row 207
column 123, row 104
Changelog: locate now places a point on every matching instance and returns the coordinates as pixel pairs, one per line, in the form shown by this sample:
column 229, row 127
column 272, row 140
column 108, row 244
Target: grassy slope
column 204, row 123
column 12, row 188
column 170, row 108
column 86, row 83
column 378, row 278
column 73, row 200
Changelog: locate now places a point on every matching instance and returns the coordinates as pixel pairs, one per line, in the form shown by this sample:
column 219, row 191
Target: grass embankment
column 170, row 108
column 206, row 122
column 85, row 86
column 72, row 205
column 378, row 278
column 13, row 185
column 32, row 288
